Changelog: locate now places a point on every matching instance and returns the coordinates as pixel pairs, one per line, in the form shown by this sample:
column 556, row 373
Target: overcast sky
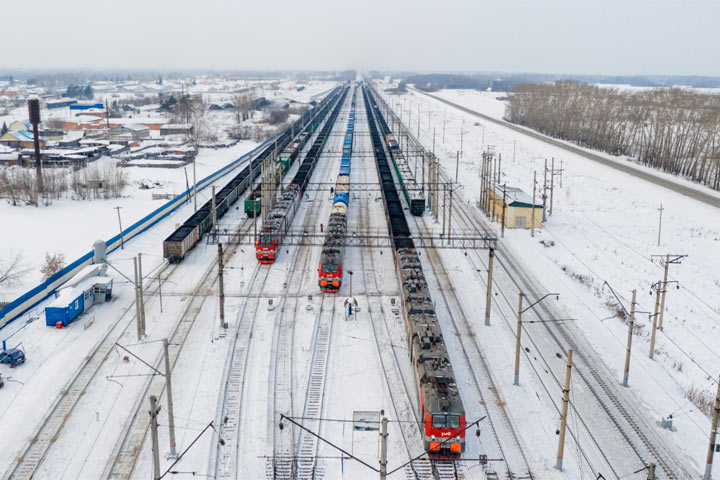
column 578, row 36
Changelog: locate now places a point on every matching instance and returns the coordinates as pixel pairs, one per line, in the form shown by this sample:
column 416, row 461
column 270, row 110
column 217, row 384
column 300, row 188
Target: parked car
column 12, row 356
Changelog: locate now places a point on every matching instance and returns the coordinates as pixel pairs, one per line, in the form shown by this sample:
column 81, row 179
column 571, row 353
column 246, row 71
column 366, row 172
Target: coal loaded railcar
column 441, row 409
column 280, row 217
column 186, row 236
column 330, row 270
column 414, row 194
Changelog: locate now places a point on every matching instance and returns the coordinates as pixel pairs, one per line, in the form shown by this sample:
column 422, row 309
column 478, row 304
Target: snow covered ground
column 604, row 228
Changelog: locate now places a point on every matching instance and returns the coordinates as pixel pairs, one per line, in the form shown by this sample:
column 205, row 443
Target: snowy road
column 696, row 192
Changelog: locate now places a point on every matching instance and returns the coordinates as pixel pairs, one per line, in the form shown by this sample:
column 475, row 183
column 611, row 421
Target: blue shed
column 73, row 300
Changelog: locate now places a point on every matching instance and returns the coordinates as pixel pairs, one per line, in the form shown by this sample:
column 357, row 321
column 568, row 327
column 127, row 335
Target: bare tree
column 12, row 268
column 53, row 264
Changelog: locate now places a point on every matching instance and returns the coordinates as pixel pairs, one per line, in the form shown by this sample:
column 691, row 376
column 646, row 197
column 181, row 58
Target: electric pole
column 626, row 372
column 660, row 224
column 488, row 298
column 517, row 340
column 221, row 289
column 154, row 410
column 713, row 436
column 138, row 319
column 214, row 213
column 122, row 240
column 532, row 213
column 450, row 217
column 655, row 318
column 544, row 196
column 194, row 187
column 552, row 183
column 504, row 205
column 140, row 293
column 651, row 472
column 664, row 291
column 383, row 449
column 457, row 165
column 168, row 387
column 563, row 419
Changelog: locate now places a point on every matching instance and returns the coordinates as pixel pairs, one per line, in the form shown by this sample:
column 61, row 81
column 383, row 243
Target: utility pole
column 221, row 289
column 383, row 449
column 488, row 298
column 552, row 183
column 660, row 224
column 140, row 293
column 194, row 186
column 655, row 319
column 532, row 210
column 214, row 213
column 514, row 143
column 122, row 240
column 154, row 410
column 631, row 324
column 450, row 217
column 351, row 274
column 160, row 291
column 517, row 340
column 444, row 205
column 168, row 387
column 457, row 165
column 713, row 436
column 563, row 418
column 502, row 225
column 34, row 115
column 138, row 318
column 462, row 126
column 651, row 472
column 544, row 197
column 664, row 291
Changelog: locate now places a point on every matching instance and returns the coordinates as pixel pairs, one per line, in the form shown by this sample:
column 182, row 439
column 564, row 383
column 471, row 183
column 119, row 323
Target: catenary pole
column 552, row 183
column 154, row 410
column 658, row 286
column 168, row 387
column 140, row 294
column 659, row 224
column 122, row 239
column 383, row 449
column 488, row 297
column 664, row 291
column 138, row 318
column 631, row 324
column 532, row 207
column 563, row 421
column 516, row 381
column 713, row 436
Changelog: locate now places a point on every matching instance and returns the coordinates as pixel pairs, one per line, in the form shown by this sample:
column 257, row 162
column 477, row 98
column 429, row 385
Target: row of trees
column 674, row 130
column 19, row 185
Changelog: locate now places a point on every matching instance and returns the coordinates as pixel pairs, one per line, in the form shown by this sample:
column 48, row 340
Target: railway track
column 292, row 461
column 228, row 420
column 125, row 454
column 477, row 370
column 48, row 432
column 402, row 404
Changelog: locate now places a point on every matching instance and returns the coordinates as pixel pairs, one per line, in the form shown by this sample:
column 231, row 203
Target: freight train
column 414, row 194
column 280, row 218
column 331, row 259
column 441, row 408
column 284, row 161
column 186, row 236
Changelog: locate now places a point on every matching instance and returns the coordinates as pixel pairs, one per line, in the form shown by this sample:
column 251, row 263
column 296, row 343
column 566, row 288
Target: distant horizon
column 614, row 37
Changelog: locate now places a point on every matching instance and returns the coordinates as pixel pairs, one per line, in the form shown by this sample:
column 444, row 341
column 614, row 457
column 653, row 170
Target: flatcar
column 280, row 217
column 438, row 400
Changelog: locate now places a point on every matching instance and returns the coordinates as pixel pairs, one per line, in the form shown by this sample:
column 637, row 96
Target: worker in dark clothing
column 321, row 228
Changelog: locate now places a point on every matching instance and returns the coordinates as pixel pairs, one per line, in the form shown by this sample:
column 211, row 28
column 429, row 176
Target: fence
column 25, row 302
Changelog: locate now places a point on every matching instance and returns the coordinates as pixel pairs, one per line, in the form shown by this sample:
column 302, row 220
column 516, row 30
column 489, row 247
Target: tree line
column 674, row 130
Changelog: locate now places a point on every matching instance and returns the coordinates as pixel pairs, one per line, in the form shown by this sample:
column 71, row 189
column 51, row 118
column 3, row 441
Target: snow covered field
column 604, row 228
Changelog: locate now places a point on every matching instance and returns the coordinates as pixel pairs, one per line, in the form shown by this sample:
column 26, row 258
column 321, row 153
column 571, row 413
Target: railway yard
column 271, row 369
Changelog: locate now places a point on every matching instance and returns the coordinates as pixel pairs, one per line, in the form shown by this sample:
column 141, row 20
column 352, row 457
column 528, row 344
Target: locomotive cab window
column 453, row 421
column 438, row 421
